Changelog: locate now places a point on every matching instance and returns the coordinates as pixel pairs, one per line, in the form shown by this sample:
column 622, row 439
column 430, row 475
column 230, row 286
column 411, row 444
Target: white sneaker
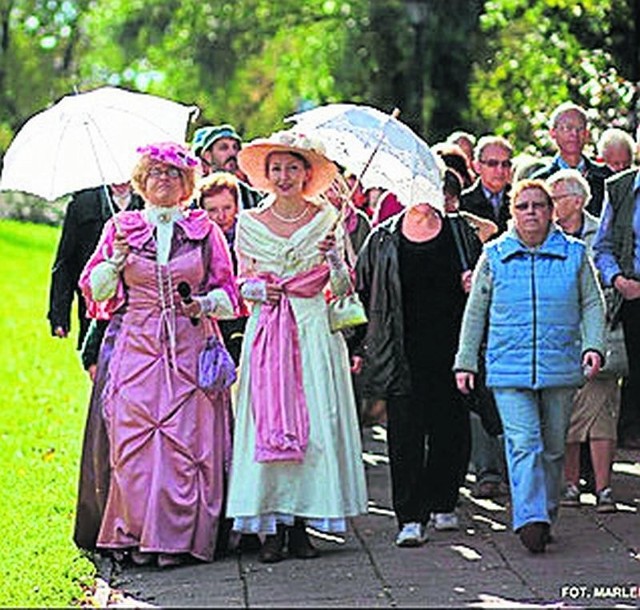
column 411, row 534
column 445, row 521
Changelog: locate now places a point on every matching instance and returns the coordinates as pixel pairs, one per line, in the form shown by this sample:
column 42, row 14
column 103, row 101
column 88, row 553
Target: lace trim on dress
column 266, row 524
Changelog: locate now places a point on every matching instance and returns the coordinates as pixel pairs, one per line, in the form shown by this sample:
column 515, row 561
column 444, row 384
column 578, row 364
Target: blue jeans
column 535, row 426
column 487, row 453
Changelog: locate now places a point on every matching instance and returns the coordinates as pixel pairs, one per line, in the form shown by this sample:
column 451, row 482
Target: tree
column 536, row 55
column 453, row 37
column 38, row 50
column 249, row 62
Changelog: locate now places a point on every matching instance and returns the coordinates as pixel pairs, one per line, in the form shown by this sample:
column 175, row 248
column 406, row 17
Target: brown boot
column 535, row 536
column 272, row 549
column 299, row 544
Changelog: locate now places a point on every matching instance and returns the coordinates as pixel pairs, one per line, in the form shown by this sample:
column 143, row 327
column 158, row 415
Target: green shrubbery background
column 42, row 411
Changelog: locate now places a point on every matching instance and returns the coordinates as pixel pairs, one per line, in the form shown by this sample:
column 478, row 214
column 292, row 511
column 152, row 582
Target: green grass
column 43, row 401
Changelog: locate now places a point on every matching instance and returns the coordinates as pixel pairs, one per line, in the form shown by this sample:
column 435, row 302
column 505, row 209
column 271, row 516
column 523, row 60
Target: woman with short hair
column 536, row 296
column 169, row 434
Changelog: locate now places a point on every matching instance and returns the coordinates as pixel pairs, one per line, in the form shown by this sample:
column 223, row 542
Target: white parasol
column 378, row 148
column 89, row 139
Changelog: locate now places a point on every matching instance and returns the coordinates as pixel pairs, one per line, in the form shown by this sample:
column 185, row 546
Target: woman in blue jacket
column 535, row 294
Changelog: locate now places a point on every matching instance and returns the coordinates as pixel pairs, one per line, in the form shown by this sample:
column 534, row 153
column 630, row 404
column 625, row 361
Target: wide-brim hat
column 252, row 160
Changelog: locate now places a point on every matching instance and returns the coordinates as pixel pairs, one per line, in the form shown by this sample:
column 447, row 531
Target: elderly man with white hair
column 596, row 405
column 617, row 257
column 616, row 149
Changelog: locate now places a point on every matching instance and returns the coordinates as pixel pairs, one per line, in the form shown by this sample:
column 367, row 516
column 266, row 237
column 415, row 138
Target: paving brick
column 482, row 565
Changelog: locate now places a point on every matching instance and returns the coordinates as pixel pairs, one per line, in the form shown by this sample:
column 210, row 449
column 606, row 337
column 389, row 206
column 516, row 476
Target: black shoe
column 629, row 441
column 224, row 538
column 534, row 536
column 170, row 560
column 299, row 544
column 272, row 550
column 249, row 543
column 488, row 490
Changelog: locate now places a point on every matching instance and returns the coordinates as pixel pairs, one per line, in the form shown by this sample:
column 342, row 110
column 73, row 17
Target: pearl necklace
column 290, row 220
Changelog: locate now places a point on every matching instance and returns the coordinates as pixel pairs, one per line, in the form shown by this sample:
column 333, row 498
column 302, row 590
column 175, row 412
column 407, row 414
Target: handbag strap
column 458, row 238
column 350, row 251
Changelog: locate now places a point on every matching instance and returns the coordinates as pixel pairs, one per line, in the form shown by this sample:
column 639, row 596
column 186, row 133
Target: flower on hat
column 298, row 139
column 169, row 152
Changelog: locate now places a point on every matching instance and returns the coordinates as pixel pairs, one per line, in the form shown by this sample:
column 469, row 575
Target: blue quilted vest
column 534, row 338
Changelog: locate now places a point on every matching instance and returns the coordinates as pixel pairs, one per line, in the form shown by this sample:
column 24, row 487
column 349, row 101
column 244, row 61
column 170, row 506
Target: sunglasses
column 493, row 163
column 536, row 206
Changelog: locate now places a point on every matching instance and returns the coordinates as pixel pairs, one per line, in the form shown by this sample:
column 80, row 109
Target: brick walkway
column 594, row 560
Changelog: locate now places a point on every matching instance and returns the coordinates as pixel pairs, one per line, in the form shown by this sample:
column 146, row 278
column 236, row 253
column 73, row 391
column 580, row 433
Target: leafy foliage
column 534, row 57
column 487, row 65
column 250, row 62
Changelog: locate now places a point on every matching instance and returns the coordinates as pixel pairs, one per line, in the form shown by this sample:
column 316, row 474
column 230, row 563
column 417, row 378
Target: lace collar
column 158, row 215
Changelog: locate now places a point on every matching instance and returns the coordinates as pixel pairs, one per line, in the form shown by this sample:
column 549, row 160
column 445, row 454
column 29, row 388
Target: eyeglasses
column 170, row 172
column 493, row 163
column 568, row 127
column 564, row 196
column 536, row 206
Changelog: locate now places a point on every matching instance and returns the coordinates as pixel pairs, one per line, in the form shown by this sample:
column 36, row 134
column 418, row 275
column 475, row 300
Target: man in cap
column 218, row 146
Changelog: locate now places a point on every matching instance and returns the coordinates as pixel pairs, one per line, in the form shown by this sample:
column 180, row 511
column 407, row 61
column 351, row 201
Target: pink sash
column 277, row 393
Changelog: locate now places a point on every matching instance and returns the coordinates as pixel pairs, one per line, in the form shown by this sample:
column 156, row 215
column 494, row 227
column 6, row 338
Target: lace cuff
column 254, row 290
column 103, row 280
column 118, row 260
column 217, row 304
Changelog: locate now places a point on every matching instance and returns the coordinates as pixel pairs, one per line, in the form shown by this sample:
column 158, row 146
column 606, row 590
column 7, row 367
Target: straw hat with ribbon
column 253, row 160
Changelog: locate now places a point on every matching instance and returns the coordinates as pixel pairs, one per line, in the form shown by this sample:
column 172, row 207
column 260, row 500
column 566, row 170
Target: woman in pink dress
column 169, row 434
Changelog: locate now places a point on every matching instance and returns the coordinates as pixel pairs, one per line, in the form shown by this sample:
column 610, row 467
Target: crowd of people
column 501, row 339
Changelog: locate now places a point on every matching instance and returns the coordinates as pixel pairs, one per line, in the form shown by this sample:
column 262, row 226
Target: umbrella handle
column 394, row 115
column 112, row 207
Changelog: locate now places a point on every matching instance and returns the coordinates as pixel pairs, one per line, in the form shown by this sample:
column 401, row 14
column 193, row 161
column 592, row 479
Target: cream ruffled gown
column 329, row 485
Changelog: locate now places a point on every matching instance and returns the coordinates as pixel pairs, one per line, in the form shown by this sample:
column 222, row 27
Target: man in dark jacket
column 569, row 129
column 489, row 198
column 86, row 214
column 617, row 258
column 489, row 195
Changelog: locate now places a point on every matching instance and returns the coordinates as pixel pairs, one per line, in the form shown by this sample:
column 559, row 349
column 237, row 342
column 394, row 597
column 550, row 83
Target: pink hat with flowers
column 171, row 153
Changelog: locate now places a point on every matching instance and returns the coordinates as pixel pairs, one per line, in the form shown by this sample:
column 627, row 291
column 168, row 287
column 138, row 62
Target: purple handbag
column 216, row 369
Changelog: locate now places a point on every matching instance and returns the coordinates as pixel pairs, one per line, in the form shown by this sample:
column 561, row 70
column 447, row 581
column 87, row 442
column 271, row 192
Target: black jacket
column 85, row 217
column 596, row 174
column 386, row 370
column 249, row 197
column 473, row 200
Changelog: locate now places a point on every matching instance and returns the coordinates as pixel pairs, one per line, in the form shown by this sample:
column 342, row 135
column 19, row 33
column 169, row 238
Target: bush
column 29, row 208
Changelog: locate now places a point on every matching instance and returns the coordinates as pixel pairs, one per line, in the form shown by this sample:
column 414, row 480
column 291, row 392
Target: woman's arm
column 100, row 281
column 221, row 298
column 474, row 320
column 592, row 309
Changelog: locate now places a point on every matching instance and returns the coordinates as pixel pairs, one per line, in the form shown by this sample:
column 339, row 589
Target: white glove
column 254, row 290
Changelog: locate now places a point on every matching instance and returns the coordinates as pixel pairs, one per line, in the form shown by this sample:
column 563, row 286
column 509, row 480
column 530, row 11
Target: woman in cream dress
column 297, row 453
